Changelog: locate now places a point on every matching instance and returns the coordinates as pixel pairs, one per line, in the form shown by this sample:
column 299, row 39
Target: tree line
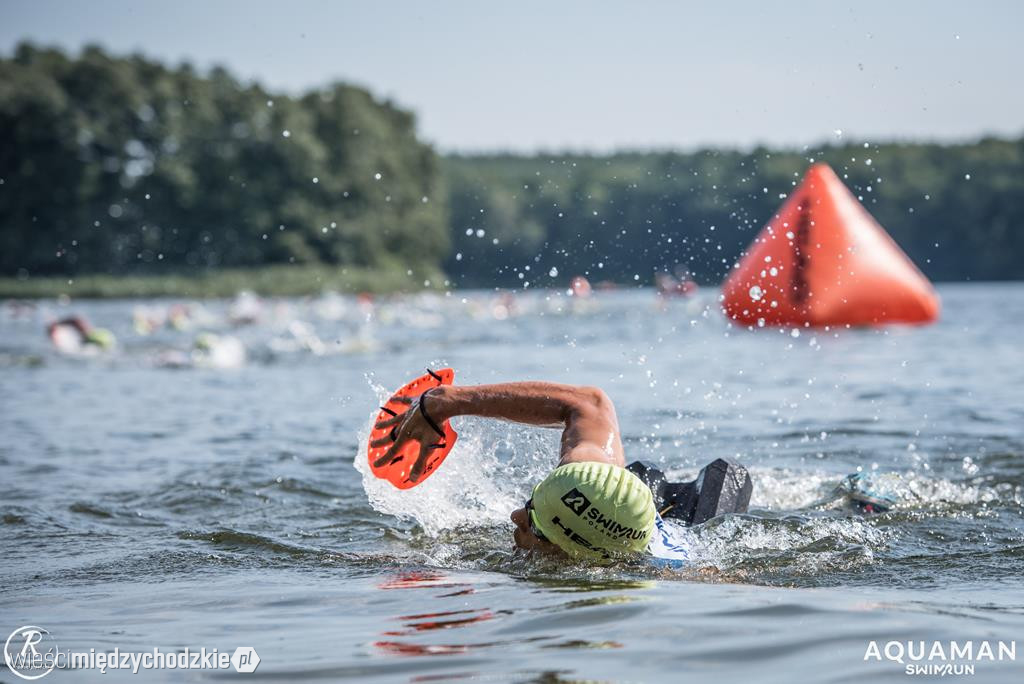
column 957, row 210
column 127, row 166
column 123, row 165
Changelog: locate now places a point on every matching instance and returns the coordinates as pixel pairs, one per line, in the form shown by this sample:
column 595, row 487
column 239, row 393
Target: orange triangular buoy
column 824, row 260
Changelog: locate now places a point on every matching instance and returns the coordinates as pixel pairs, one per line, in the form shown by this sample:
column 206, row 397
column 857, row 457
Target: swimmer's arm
column 590, row 428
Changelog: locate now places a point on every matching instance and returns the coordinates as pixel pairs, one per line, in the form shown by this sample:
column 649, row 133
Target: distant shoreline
column 282, row 281
column 273, row 281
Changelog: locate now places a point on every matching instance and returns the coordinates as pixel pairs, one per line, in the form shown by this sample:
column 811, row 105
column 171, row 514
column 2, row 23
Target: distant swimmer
column 672, row 286
column 145, row 320
column 580, row 287
column 18, row 309
column 245, row 309
column 179, row 317
column 218, row 351
column 591, row 505
column 75, row 335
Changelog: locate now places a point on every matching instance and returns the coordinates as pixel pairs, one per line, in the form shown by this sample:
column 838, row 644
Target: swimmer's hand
column 410, row 425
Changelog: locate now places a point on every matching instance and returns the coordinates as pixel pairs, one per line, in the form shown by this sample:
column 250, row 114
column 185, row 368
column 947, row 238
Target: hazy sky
column 599, row 75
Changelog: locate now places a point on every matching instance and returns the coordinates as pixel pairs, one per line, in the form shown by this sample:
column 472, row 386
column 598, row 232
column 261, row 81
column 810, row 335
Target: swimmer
column 669, row 286
column 590, row 505
column 580, row 287
column 74, row 335
column 218, row 351
column 246, row 309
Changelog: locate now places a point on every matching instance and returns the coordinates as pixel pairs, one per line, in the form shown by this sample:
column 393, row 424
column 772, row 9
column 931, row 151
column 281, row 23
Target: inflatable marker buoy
column 396, row 470
column 824, row 260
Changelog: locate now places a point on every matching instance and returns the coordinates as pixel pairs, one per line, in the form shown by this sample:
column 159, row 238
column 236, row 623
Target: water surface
column 149, row 498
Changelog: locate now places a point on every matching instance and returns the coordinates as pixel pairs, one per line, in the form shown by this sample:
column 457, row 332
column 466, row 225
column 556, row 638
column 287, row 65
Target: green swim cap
column 101, row 337
column 594, row 510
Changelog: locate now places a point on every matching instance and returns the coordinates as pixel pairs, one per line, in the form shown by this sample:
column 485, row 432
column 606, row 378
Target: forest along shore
column 168, row 180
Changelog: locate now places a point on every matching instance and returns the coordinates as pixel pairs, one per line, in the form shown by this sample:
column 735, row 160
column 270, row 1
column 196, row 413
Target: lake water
column 152, row 497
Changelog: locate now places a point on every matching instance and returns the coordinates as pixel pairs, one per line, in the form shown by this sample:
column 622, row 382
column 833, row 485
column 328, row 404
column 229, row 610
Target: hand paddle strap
column 423, row 412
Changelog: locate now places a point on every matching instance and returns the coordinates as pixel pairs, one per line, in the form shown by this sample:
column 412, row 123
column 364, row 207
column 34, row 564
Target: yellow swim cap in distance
column 594, row 510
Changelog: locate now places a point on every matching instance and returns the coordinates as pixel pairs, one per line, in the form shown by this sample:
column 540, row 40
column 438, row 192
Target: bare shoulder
column 596, row 397
column 586, row 451
column 592, row 432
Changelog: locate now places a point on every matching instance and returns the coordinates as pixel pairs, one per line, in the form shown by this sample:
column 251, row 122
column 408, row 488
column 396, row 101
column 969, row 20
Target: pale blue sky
column 599, row 75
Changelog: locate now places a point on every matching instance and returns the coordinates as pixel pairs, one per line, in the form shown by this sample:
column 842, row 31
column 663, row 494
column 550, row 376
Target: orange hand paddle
column 397, row 470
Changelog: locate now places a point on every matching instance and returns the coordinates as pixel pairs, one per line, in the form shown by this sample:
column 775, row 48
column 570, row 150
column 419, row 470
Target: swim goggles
column 533, row 528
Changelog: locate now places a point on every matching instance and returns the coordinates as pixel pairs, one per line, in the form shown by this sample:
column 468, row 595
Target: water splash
column 486, row 476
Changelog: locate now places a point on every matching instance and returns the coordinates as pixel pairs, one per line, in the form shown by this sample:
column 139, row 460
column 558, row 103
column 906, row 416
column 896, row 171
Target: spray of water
column 486, row 476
